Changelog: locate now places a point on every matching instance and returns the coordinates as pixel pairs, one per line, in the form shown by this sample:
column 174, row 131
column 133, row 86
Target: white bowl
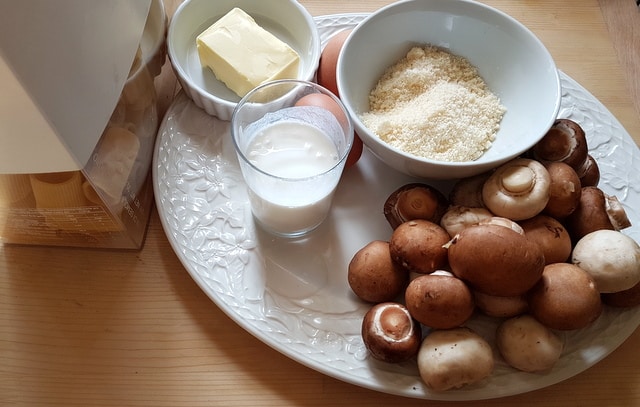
column 513, row 62
column 286, row 19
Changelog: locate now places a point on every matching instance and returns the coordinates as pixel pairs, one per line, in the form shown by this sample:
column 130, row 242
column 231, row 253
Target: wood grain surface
column 131, row 328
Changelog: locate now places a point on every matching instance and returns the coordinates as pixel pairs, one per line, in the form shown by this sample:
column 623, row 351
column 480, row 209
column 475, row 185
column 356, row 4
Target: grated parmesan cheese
column 435, row 105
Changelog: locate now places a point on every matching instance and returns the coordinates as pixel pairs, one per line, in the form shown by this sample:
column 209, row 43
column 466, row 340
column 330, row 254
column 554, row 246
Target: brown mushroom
column 439, row 301
column 518, row 189
column 418, row 246
column 496, row 260
column 596, row 210
column 468, row 191
column 565, row 298
column 415, row 201
column 623, row 299
column 589, row 173
column 390, row 333
column 564, row 191
column 500, row 307
column 565, row 141
column 550, row 235
column 373, row 276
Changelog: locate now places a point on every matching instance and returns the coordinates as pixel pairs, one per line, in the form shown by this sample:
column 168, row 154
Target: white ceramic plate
column 294, row 295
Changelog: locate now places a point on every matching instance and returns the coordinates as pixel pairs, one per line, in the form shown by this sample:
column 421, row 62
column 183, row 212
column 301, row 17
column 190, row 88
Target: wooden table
column 121, row 328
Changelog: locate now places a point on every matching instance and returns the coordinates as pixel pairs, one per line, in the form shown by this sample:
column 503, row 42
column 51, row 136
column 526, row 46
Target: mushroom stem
column 616, row 212
column 596, row 210
column 518, row 179
column 390, row 333
column 518, row 189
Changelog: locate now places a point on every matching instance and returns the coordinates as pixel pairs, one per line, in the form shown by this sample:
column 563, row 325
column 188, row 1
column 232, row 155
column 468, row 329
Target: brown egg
column 325, row 102
column 326, row 75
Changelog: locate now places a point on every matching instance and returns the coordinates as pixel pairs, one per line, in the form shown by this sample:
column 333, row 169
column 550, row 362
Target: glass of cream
column 292, row 139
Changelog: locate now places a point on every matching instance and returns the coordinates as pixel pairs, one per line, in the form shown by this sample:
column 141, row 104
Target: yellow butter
column 243, row 55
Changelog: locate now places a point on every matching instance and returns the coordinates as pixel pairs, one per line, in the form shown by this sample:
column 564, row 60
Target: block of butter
column 243, row 55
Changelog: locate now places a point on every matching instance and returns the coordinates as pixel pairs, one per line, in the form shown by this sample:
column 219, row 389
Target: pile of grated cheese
column 434, row 104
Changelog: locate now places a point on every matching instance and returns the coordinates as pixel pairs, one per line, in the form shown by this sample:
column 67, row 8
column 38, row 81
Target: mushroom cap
column 500, row 307
column 390, row 333
column 596, row 210
column 468, row 191
column 418, row 246
column 496, row 260
column 439, row 301
column 611, row 258
column 518, row 189
column 565, row 298
column 564, row 190
column 565, row 141
column 373, row 276
column 551, row 235
column 414, row 201
column 528, row 345
column 453, row 358
column 589, row 173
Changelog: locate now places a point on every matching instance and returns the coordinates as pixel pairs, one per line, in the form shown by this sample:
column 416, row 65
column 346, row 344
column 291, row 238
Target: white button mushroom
column 611, row 257
column 457, row 218
column 453, row 358
column 528, row 345
column 518, row 189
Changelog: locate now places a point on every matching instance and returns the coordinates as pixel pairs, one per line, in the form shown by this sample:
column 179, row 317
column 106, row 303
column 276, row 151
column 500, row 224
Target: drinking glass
column 292, row 138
